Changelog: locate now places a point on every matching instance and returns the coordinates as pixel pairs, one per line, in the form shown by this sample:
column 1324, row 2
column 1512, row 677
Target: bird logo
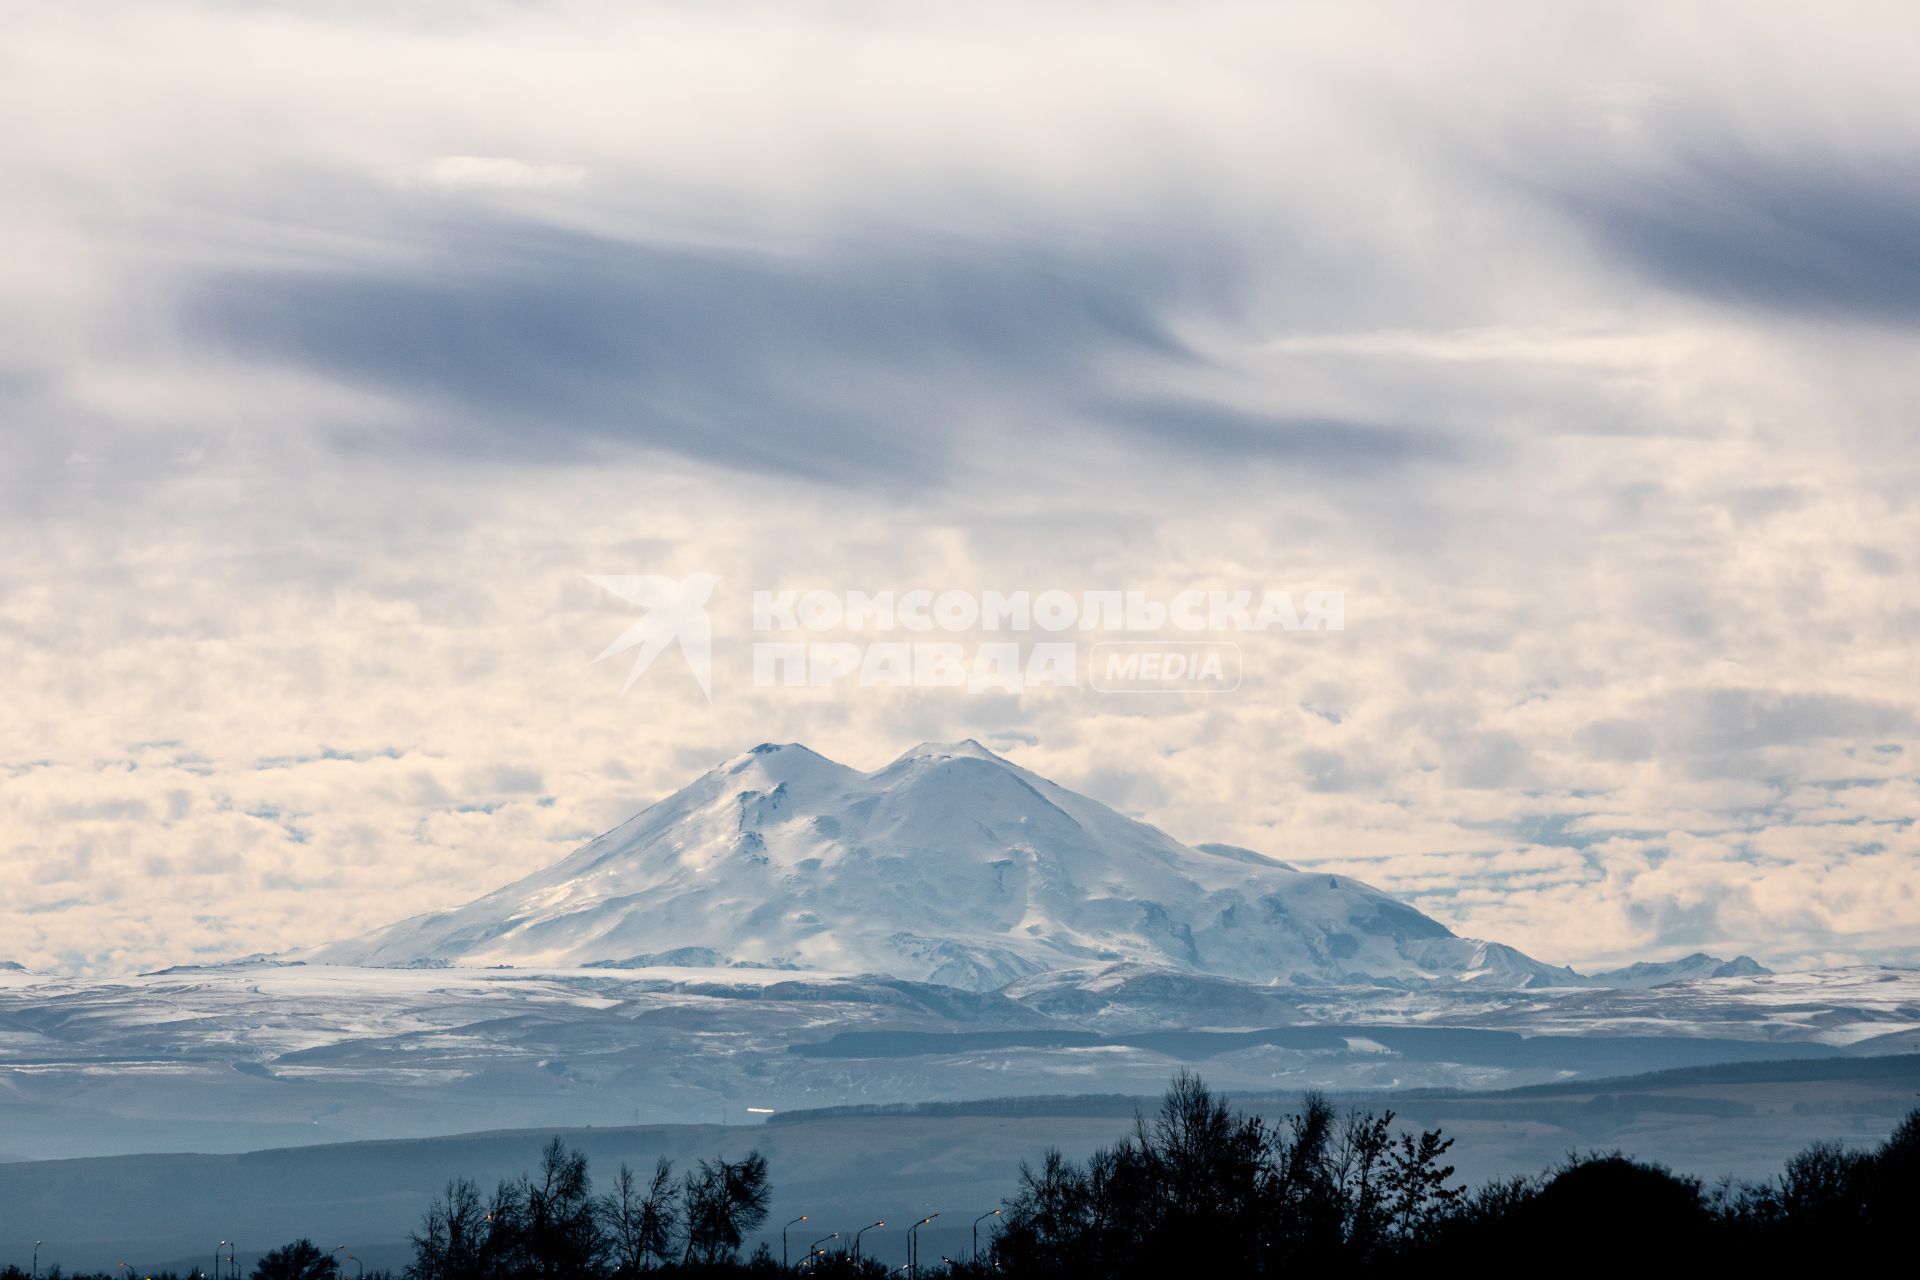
column 676, row 610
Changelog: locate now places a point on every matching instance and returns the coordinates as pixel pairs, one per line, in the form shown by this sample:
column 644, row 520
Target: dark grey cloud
column 1882, row 564
column 1622, row 741
column 1724, row 730
column 1324, row 771
column 1333, row 446
column 1697, row 922
column 537, row 344
column 1486, row 761
column 1816, row 234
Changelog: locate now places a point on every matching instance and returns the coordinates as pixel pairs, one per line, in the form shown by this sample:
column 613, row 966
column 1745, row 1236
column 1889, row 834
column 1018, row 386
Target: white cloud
column 499, row 173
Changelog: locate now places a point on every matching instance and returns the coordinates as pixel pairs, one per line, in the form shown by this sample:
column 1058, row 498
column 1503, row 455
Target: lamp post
column 216, row 1259
column 231, row 1264
column 36, row 1259
column 975, row 1255
column 783, row 1239
column 359, row 1267
column 856, row 1240
column 814, row 1250
column 913, row 1245
column 337, row 1249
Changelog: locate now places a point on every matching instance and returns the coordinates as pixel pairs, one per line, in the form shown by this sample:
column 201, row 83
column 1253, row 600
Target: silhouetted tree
column 1304, row 1212
column 301, row 1260
column 721, row 1204
column 640, row 1222
column 1360, row 1167
column 1199, row 1190
column 1622, row 1213
column 1827, row 1196
column 1821, row 1187
column 503, row 1246
column 1891, row 1187
column 451, row 1243
column 560, row 1235
column 1194, row 1176
column 1419, row 1199
column 1044, row 1230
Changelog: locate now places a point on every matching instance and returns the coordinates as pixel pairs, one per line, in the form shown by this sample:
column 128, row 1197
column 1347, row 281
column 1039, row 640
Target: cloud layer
column 1572, row 344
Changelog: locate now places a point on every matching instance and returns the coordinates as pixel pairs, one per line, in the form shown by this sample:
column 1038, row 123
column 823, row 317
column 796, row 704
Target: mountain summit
column 951, row 865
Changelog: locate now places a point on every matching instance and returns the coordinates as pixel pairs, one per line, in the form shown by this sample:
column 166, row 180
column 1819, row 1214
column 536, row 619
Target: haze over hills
column 950, row 865
column 838, row 1162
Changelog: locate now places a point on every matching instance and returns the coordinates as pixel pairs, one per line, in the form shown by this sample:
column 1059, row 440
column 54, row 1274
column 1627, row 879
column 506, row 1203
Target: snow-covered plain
column 250, row 1056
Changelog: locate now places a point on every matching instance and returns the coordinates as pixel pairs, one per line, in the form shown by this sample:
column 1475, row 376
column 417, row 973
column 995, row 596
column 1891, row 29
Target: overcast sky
column 338, row 341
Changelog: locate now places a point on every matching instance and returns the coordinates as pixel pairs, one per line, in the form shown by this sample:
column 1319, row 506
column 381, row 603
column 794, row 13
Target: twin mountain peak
column 950, row 865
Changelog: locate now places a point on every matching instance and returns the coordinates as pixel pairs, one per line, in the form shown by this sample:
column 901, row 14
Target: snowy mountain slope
column 950, row 865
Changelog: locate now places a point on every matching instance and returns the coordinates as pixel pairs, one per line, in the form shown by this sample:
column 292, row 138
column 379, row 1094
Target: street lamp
column 36, row 1258
column 975, row 1255
column 231, row 1264
column 856, row 1240
column 814, row 1250
column 339, row 1248
column 913, row 1245
column 783, row 1240
column 216, row 1259
column 359, row 1267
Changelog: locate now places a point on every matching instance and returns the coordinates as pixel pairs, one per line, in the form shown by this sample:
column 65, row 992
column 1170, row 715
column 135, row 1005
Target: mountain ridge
column 949, row 864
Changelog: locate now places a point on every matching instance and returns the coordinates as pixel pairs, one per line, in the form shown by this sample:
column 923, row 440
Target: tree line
column 553, row 1225
column 1198, row 1189
column 1195, row 1189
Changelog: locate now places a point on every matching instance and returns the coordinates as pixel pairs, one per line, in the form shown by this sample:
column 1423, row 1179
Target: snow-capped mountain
column 950, row 865
column 1685, row 969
